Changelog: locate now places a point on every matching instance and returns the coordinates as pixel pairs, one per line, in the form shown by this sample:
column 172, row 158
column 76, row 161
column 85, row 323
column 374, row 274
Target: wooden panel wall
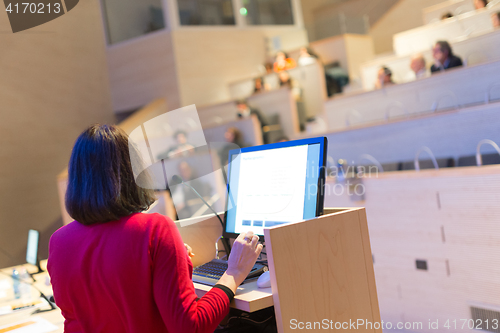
column 141, row 70
column 204, row 71
column 449, row 218
column 53, row 84
column 405, row 15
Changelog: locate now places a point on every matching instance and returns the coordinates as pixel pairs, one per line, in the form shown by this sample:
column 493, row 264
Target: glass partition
column 126, row 19
column 206, row 12
column 267, row 12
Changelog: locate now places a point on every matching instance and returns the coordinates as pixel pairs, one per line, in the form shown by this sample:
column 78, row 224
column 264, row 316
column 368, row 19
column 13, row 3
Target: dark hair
column 101, row 183
column 485, row 2
column 445, row 47
column 446, row 16
column 238, row 137
column 286, row 54
column 176, row 134
column 386, row 70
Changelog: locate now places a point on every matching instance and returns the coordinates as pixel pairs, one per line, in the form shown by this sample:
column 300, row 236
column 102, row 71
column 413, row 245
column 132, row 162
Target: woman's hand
column 244, row 254
column 189, row 250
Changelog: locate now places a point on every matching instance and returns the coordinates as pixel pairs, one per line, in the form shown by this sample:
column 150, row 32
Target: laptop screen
column 274, row 184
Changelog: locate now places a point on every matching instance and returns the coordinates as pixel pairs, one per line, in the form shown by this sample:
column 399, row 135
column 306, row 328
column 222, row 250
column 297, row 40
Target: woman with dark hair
column 116, row 269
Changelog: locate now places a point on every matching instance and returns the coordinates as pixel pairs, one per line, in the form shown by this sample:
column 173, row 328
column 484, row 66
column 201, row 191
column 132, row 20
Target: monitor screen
column 274, row 184
column 32, row 248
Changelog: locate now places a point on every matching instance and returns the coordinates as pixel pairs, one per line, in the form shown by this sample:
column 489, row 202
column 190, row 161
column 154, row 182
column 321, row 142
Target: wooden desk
column 54, row 316
column 248, row 297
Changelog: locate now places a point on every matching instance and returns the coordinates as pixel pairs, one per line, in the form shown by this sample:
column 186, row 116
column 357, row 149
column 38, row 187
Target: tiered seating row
column 473, row 51
column 468, row 24
column 453, row 89
column 451, row 134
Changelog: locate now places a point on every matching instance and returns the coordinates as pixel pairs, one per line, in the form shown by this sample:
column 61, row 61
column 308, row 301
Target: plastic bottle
column 25, row 288
column 16, row 283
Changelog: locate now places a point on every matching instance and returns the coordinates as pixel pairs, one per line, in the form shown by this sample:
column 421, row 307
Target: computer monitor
column 32, row 249
column 274, row 184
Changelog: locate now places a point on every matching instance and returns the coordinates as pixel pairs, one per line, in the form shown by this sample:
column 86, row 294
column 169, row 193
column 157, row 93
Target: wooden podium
column 321, row 271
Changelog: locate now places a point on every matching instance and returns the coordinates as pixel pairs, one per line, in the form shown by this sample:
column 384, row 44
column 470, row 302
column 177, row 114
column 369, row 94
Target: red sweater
column 130, row 275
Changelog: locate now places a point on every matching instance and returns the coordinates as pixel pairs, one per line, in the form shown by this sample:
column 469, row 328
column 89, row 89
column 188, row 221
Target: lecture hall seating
column 463, row 26
column 453, row 89
column 473, row 51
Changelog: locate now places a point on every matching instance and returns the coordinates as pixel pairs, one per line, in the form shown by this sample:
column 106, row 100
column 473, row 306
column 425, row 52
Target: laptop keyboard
column 211, row 272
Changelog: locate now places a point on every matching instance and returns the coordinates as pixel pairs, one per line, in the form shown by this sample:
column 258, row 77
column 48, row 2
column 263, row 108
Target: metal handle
column 371, row 159
column 428, row 151
column 488, row 92
column 479, row 158
column 435, row 105
column 395, row 104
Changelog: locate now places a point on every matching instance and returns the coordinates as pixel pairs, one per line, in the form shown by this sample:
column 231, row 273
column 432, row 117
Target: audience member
column 244, row 110
column 446, row 16
column 186, row 201
column 269, row 67
column 293, row 85
column 283, row 62
column 418, row 66
column 183, row 148
column 258, row 85
column 285, row 80
column 307, row 56
column 495, row 19
column 478, row 4
column 234, row 140
column 384, row 78
column 444, row 57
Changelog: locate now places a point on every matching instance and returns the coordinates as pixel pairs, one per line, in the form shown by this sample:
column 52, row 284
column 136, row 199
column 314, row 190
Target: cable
column 42, row 295
column 178, row 180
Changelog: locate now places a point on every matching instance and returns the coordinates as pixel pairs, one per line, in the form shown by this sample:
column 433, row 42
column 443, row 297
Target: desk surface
column 248, row 297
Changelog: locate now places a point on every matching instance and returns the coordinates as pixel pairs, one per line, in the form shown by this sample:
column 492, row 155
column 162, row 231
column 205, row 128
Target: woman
column 116, row 269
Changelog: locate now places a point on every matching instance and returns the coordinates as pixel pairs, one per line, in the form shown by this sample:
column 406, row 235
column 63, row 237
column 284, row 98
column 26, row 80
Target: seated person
column 384, row 78
column 183, row 148
column 478, row 4
column 495, row 19
column 185, row 199
column 293, row 85
column 258, row 85
column 234, row 140
column 444, row 57
column 446, row 16
column 244, row 110
column 283, row 62
column 418, row 66
column 115, row 269
column 307, row 56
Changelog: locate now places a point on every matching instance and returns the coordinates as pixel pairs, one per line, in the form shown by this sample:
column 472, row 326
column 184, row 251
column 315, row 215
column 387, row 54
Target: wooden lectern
column 321, row 271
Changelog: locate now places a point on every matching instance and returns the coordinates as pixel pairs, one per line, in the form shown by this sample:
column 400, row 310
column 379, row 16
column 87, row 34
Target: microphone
column 42, row 295
column 176, row 180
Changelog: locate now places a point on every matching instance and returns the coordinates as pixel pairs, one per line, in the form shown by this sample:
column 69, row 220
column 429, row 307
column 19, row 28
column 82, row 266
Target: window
column 267, row 12
column 206, row 12
column 126, row 19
